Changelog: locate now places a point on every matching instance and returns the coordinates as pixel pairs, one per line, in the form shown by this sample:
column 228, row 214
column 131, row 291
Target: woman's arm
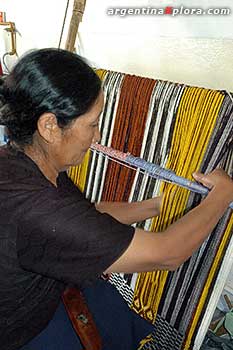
column 129, row 213
column 167, row 250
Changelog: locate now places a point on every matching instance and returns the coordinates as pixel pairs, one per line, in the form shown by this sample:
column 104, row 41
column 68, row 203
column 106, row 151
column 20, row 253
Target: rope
column 63, row 25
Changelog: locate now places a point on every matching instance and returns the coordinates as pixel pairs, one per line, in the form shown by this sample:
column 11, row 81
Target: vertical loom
column 184, row 129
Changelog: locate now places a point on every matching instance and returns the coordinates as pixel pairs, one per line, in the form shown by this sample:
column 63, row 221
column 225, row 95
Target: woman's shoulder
column 18, row 169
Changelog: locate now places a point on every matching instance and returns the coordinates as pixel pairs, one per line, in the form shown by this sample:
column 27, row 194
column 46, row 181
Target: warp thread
column 181, row 128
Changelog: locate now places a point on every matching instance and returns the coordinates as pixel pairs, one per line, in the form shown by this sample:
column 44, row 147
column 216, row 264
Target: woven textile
column 184, row 129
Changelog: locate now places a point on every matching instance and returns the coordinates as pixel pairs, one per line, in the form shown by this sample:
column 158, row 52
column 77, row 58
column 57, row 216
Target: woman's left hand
column 129, row 213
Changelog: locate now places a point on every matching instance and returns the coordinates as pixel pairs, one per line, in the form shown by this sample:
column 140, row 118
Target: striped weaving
column 185, row 129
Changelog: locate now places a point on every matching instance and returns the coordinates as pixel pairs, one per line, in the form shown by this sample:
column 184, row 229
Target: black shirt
column 49, row 237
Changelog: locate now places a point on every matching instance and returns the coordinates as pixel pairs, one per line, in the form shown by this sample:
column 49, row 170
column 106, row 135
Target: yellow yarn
column 214, row 267
column 78, row 173
column 101, row 73
column 143, row 342
column 195, row 121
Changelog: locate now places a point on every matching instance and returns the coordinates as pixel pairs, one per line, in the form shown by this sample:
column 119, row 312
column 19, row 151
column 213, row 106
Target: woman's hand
column 153, row 206
column 219, row 182
column 129, row 213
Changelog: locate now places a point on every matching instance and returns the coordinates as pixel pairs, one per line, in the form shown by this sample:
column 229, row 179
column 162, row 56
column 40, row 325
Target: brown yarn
column 128, row 134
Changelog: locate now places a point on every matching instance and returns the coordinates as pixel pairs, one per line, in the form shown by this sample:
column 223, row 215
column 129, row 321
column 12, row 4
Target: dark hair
column 46, row 80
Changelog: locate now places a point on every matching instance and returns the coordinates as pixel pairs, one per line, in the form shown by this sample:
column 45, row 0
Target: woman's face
column 73, row 142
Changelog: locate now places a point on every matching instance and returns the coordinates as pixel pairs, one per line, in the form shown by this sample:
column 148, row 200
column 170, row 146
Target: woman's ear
column 47, row 127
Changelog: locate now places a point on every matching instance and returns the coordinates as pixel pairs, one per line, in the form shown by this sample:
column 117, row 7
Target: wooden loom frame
column 76, row 19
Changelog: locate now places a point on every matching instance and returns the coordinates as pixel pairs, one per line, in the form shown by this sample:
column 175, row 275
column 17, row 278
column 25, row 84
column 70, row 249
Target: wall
column 38, row 23
column 195, row 50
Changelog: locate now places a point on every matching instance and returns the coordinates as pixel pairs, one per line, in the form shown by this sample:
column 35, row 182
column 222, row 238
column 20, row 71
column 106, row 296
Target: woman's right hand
column 217, row 180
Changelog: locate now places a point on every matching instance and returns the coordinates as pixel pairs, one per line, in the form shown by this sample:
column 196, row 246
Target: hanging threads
column 180, row 128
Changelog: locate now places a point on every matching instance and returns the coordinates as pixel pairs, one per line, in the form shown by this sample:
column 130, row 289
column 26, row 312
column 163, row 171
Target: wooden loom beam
column 76, row 19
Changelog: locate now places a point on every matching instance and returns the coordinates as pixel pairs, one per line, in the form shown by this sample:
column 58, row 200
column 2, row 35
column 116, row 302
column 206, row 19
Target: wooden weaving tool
column 151, row 169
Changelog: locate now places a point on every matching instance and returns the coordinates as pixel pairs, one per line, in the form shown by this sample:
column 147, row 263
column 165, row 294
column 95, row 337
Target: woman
column 51, row 236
